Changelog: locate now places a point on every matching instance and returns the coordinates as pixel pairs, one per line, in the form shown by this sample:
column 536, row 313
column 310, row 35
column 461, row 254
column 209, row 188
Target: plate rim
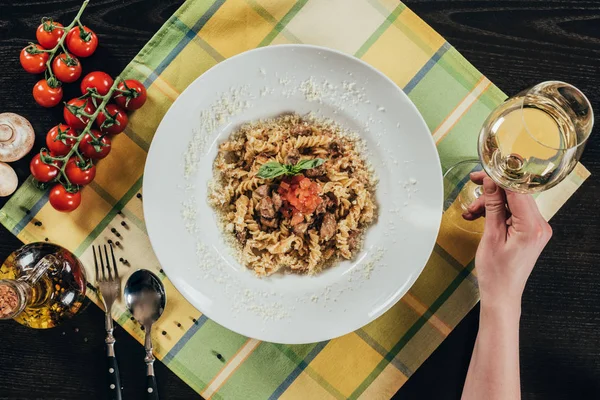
column 402, row 289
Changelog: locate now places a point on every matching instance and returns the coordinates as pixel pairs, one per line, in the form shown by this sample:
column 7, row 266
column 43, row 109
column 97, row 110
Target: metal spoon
column 146, row 299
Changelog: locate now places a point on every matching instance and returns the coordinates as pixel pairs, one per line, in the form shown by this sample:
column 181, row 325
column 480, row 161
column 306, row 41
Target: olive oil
column 41, row 285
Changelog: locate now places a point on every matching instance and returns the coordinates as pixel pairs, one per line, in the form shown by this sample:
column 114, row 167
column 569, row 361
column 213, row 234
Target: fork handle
column 114, row 379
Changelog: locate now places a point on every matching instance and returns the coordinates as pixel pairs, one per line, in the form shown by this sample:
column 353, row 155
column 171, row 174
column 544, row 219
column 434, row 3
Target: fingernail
column 489, row 187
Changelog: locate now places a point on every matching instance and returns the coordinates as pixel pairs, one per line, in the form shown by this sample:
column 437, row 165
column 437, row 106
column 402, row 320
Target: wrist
column 505, row 312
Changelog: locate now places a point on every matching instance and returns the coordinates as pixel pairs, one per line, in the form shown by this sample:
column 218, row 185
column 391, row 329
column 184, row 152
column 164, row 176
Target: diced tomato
column 300, row 194
column 305, row 183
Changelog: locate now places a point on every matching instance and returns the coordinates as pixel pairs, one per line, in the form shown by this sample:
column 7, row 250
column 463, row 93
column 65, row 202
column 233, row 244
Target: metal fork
column 110, row 289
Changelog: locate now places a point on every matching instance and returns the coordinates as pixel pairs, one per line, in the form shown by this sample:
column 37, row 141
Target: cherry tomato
column 78, row 121
column 87, row 148
column 41, row 171
column 33, row 63
column 62, row 200
column 82, row 43
column 134, row 97
column 60, row 147
column 101, row 81
column 49, row 33
column 66, row 69
column 117, row 114
column 45, row 95
column 79, row 175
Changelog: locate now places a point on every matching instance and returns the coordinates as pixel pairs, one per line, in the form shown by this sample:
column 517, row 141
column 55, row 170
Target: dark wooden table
column 514, row 43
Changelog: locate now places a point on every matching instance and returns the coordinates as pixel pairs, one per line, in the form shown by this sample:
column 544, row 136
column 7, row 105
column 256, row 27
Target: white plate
column 264, row 83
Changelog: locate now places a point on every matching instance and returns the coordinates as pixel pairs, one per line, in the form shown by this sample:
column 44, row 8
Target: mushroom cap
column 8, row 180
column 16, row 137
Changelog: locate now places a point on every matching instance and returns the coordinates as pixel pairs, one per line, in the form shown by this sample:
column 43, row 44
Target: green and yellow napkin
column 371, row 363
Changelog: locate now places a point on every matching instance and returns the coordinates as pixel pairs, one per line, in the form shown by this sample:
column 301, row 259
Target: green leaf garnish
column 274, row 169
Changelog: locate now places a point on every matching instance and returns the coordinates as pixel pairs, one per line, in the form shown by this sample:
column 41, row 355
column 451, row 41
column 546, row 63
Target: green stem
column 61, row 41
column 92, row 119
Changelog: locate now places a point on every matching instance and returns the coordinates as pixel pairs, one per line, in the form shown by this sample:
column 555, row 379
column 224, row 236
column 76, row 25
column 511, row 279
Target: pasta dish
column 293, row 193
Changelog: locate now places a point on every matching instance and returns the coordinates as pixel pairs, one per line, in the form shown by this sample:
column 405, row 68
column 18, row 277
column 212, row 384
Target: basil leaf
column 271, row 170
column 308, row 164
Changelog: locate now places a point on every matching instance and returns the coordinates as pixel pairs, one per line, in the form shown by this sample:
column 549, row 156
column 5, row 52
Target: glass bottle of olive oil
column 41, row 285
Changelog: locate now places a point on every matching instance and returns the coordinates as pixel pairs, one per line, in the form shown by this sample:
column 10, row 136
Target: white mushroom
column 16, row 137
column 8, row 180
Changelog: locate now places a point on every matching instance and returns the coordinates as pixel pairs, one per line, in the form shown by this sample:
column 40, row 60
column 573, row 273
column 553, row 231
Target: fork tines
column 105, row 264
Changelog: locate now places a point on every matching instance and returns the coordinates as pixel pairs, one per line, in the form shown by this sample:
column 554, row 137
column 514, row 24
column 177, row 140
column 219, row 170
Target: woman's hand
column 512, row 241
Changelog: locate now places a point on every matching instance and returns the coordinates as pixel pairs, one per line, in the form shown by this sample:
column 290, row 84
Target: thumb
column 495, row 210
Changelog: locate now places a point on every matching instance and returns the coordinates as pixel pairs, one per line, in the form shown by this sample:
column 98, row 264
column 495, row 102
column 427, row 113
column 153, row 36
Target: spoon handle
column 151, row 386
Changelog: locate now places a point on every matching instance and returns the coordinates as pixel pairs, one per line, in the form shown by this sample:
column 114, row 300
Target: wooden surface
column 514, row 43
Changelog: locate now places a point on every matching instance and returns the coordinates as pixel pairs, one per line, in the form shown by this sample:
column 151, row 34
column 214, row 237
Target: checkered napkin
column 371, row 363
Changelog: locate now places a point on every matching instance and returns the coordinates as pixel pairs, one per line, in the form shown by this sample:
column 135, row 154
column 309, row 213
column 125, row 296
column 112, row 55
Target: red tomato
column 62, row 200
column 134, row 95
column 79, row 175
column 66, row 69
column 77, row 121
column 60, row 147
column 41, row 171
column 101, row 81
column 45, row 95
column 49, row 33
column 301, row 194
column 82, row 42
column 88, row 149
column 32, row 62
column 119, row 122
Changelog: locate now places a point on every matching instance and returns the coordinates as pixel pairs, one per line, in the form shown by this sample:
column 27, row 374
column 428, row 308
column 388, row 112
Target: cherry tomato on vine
column 82, row 42
column 117, row 115
column 72, row 118
column 49, row 33
column 66, row 68
column 62, row 200
column 33, row 59
column 79, row 175
column 41, row 171
column 88, row 150
column 46, row 95
column 134, row 97
column 101, row 81
column 60, row 147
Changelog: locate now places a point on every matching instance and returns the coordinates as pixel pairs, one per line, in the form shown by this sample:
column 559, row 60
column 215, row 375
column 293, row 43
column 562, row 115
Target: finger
column 523, row 208
column 477, row 177
column 478, row 206
column 495, row 211
column 471, row 217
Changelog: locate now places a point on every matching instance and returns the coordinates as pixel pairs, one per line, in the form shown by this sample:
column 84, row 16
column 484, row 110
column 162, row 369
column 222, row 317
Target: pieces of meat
column 333, row 200
column 315, row 172
column 300, row 229
column 328, row 227
column 269, row 223
column 241, row 236
column 266, row 209
column 300, row 130
column 335, row 148
column 322, row 207
column 277, row 202
column 262, row 191
column 293, row 157
column 353, row 240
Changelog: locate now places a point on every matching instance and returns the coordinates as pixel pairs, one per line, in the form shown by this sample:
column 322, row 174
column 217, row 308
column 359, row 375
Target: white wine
column 528, row 144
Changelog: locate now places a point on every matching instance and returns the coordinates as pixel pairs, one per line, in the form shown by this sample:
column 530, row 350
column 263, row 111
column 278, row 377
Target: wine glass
column 528, row 144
